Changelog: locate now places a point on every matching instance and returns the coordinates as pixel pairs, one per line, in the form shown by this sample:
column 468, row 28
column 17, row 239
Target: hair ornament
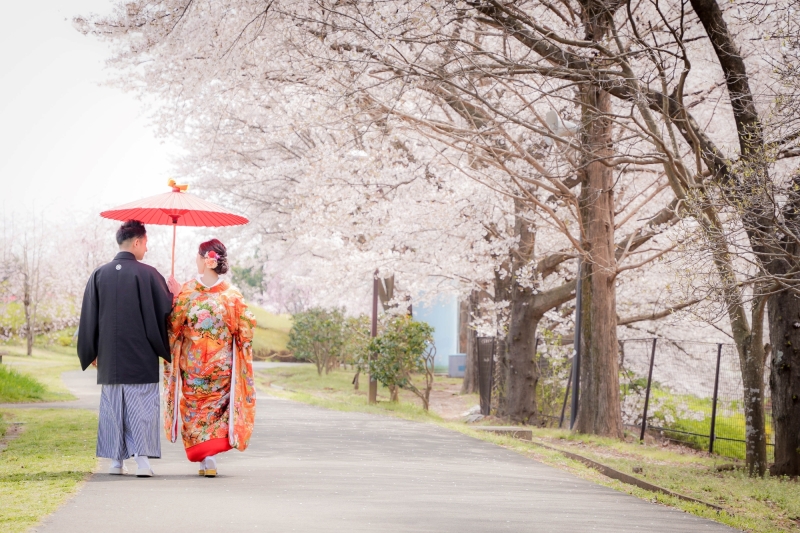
column 211, row 259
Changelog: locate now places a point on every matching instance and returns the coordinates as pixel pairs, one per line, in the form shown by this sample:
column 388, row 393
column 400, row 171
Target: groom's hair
column 131, row 229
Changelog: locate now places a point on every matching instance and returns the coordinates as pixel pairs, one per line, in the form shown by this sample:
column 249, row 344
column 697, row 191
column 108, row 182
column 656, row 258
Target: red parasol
column 176, row 208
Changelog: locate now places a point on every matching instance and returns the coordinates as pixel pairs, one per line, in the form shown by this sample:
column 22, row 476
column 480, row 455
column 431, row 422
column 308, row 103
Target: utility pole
column 373, row 383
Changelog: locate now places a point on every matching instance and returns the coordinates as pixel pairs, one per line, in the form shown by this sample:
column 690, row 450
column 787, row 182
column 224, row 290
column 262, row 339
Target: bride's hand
column 174, row 286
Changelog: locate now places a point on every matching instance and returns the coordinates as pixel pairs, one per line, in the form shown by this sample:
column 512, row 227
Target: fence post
column 566, row 394
column 647, row 392
column 712, row 433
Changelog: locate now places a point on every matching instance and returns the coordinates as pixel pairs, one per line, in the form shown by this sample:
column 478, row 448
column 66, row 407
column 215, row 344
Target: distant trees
column 43, row 271
column 30, row 270
column 249, row 279
column 27, row 279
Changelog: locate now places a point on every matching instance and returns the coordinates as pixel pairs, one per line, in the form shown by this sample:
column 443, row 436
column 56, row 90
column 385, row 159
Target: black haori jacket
column 124, row 322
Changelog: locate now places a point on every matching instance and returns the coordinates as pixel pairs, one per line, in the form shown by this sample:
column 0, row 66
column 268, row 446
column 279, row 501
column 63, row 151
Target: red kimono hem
column 198, row 452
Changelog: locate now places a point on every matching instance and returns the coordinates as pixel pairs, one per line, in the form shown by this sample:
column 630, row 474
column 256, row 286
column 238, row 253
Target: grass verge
column 335, row 391
column 272, row 331
column 46, row 366
column 45, row 464
column 769, row 505
column 16, row 387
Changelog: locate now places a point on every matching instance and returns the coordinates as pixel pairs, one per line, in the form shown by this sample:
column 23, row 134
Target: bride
column 208, row 387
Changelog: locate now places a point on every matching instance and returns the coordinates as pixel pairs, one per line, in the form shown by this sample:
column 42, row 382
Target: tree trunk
column 26, row 302
column 755, row 426
column 784, row 333
column 750, row 347
column 784, row 382
column 470, row 345
column 599, row 408
column 752, row 359
column 319, row 360
column 394, row 393
column 522, row 372
column 757, row 217
column 502, row 292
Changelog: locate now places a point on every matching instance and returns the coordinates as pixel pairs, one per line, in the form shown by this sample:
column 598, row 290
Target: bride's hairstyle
column 216, row 246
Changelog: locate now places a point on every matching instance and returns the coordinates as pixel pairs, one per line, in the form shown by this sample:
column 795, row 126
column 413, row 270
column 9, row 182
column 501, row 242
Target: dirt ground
column 446, row 400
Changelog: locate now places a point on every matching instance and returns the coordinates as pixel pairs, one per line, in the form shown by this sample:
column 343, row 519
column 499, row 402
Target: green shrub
column 357, row 338
column 317, row 335
column 66, row 337
column 404, row 348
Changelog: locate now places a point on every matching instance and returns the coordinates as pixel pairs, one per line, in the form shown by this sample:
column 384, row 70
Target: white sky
column 68, row 144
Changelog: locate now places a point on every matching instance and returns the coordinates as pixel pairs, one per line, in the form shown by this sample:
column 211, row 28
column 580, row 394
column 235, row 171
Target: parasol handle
column 174, row 228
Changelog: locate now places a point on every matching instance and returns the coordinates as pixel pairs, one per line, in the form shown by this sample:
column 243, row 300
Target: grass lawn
column 758, row 505
column 272, row 331
column 45, row 366
column 45, row 454
column 269, row 320
column 335, row 391
column 45, row 464
column 16, row 387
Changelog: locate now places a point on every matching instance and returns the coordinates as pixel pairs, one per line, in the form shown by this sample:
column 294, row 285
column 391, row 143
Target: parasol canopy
column 175, row 208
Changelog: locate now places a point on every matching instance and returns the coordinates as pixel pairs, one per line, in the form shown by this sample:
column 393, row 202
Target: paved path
column 313, row 470
column 84, row 386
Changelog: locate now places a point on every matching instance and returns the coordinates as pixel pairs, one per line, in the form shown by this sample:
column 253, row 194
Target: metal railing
column 690, row 392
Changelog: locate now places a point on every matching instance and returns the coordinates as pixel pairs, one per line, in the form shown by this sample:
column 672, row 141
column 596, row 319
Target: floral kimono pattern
column 205, row 385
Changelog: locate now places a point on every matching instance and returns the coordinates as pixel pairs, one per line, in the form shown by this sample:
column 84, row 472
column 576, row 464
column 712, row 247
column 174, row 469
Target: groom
column 123, row 332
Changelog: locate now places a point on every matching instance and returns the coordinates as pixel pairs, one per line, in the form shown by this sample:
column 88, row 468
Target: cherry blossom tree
column 476, row 143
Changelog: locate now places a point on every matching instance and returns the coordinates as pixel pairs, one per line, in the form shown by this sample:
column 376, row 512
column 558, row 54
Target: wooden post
column 373, row 383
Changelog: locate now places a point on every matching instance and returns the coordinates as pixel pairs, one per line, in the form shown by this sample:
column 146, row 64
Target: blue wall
column 442, row 314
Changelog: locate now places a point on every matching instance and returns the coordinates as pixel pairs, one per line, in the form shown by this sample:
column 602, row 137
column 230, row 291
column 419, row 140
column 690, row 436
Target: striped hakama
column 129, row 421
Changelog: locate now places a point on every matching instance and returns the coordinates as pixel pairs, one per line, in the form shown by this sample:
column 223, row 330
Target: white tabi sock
column 209, row 463
column 142, row 462
column 116, row 463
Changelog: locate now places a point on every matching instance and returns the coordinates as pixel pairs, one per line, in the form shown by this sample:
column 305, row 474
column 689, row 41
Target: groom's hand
column 94, row 363
column 174, row 286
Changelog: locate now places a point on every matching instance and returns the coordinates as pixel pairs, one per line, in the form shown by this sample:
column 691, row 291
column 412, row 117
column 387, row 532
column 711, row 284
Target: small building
column 443, row 313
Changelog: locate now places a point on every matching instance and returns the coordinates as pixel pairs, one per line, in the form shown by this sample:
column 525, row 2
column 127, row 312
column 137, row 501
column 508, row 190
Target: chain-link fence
column 695, row 393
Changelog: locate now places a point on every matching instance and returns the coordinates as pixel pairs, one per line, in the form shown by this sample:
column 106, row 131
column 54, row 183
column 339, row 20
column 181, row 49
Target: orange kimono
column 208, row 387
